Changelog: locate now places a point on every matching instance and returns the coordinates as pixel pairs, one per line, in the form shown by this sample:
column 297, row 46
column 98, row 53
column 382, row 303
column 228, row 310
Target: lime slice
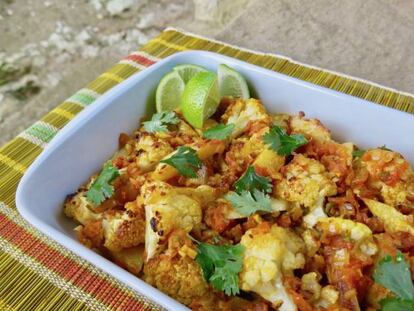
column 200, row 98
column 187, row 71
column 169, row 92
column 232, row 83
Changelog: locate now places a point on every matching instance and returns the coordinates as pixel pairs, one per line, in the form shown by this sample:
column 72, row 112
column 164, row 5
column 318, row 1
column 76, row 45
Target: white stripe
column 292, row 61
column 34, row 140
column 146, row 55
column 133, row 64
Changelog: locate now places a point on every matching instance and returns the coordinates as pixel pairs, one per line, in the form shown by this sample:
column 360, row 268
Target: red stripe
column 67, row 268
column 140, row 59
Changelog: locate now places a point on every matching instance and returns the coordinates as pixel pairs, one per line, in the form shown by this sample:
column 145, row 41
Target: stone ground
column 50, row 49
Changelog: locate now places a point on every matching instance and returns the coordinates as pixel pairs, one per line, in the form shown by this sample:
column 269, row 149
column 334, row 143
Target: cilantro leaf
column 395, row 304
column 395, row 275
column 358, row 153
column 101, row 189
column 220, row 131
column 383, row 147
column 221, row 265
column 250, row 181
column 185, row 160
column 248, row 203
column 282, row 143
column 159, row 122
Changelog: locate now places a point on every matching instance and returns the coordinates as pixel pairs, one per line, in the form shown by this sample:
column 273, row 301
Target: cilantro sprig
column 358, row 153
column 101, row 189
column 220, row 131
column 160, row 121
column 394, row 274
column 384, row 147
column 250, row 181
column 221, row 265
column 248, row 203
column 282, row 143
column 185, row 161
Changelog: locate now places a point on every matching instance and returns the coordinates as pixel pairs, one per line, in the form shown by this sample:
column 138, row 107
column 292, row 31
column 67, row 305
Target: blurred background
column 51, row 48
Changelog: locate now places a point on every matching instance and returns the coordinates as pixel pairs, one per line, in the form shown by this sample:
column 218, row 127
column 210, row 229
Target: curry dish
column 255, row 211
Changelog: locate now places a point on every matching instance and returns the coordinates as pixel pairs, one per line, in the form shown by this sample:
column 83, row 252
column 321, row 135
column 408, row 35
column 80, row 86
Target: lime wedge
column 200, row 98
column 187, row 71
column 232, row 83
column 169, row 92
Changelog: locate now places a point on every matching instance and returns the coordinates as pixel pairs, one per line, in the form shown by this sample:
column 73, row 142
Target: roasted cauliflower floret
column 348, row 248
column 329, row 296
column 176, row 273
column 91, row 234
column 203, row 194
column 240, row 112
column 323, row 297
column 166, row 210
column 311, row 128
column 306, row 182
column 123, row 229
column 270, row 253
column 149, row 150
column 393, row 220
column 78, row 208
column 357, row 232
column 337, row 159
column 310, row 284
column 387, row 175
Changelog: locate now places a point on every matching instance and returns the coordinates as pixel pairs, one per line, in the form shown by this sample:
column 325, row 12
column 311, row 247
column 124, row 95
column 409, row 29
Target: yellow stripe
column 168, row 44
column 5, row 307
column 112, row 76
column 12, row 163
column 63, row 113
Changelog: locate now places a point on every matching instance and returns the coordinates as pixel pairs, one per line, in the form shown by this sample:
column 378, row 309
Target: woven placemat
column 37, row 273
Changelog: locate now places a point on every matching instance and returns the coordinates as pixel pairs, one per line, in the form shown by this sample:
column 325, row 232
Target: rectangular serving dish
column 81, row 147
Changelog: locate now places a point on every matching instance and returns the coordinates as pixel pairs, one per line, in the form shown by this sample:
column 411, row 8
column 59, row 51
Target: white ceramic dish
column 92, row 137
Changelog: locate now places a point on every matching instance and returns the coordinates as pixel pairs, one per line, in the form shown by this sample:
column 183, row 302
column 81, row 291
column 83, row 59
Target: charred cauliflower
column 271, row 252
column 306, row 182
column 175, row 271
column 166, row 210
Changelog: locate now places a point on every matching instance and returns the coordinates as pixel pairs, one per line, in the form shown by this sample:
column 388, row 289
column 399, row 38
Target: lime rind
column 232, row 83
column 169, row 92
column 212, row 102
column 187, row 71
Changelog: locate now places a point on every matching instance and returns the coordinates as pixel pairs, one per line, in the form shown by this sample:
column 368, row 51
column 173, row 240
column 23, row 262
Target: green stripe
column 42, row 132
column 85, row 99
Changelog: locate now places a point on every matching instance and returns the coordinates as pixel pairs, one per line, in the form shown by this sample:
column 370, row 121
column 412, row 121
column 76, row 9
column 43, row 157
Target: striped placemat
column 37, row 273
